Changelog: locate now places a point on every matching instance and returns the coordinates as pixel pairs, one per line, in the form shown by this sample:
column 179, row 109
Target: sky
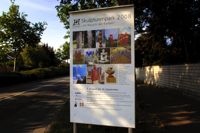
column 114, row 32
column 39, row 11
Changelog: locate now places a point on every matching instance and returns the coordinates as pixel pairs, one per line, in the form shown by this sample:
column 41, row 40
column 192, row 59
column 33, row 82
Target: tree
column 151, row 49
column 34, row 56
column 63, row 52
column 176, row 20
column 67, row 5
column 39, row 56
column 16, row 32
column 3, row 52
column 49, row 52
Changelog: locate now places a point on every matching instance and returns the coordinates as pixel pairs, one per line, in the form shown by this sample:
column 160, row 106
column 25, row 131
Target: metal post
column 74, row 128
column 130, row 130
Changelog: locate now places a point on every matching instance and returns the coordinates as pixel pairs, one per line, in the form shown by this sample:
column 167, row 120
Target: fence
column 184, row 78
column 3, row 69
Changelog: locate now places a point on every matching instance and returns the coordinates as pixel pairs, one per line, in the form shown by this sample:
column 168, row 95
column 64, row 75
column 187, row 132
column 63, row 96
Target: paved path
column 178, row 113
column 30, row 107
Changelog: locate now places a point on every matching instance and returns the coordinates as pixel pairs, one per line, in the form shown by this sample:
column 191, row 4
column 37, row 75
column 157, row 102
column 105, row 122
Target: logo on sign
column 81, row 104
column 77, row 92
column 76, row 22
column 75, row 105
column 77, row 98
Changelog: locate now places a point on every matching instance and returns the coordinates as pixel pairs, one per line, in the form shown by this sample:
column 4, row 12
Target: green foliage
column 8, row 63
column 151, row 49
column 67, row 5
column 63, row 52
column 160, row 20
column 178, row 20
column 10, row 78
column 34, row 56
column 39, row 56
column 50, row 59
column 62, row 65
column 16, row 32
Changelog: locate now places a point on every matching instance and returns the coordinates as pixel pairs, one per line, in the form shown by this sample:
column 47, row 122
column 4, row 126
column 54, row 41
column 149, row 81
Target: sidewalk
column 178, row 113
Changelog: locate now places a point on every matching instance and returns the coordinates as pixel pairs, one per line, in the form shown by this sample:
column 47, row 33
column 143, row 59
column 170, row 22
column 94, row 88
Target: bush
column 62, row 65
column 10, row 78
column 22, row 68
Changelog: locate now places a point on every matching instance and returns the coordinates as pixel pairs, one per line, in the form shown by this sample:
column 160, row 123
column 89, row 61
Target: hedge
column 11, row 78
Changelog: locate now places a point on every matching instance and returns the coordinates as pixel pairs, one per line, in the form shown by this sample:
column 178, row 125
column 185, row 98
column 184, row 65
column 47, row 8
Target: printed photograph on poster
column 100, row 38
column 120, row 55
column 79, row 74
column 124, row 37
column 91, row 56
column 78, row 42
column 78, row 56
column 111, row 74
column 95, row 74
column 104, row 55
column 89, row 38
column 111, row 37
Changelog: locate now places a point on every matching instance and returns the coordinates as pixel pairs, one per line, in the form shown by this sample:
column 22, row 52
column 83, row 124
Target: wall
column 184, row 78
column 3, row 69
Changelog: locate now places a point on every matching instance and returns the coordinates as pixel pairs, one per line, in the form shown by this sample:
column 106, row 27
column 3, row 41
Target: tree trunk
column 186, row 50
column 15, row 60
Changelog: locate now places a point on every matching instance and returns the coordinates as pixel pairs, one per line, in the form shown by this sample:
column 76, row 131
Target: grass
column 146, row 122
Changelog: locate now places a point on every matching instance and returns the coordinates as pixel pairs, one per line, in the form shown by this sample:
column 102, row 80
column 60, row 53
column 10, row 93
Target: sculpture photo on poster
column 102, row 75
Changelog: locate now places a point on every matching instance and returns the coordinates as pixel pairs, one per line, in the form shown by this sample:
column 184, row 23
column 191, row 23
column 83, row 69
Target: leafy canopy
column 62, row 53
column 177, row 20
column 16, row 32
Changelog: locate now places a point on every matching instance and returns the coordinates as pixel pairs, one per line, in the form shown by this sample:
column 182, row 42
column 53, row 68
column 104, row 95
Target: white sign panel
column 102, row 81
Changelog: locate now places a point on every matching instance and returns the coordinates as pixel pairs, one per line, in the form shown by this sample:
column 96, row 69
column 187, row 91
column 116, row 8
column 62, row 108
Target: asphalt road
column 30, row 107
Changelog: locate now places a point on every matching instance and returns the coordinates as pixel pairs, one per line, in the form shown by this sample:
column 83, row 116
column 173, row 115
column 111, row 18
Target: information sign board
column 102, row 81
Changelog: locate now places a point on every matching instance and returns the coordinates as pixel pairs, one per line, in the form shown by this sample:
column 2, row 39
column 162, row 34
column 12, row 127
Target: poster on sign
column 102, row 81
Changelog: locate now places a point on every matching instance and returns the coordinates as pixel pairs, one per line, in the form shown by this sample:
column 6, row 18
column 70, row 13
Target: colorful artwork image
column 120, row 55
column 125, row 37
column 95, row 74
column 89, row 39
column 111, row 37
column 100, row 38
column 78, row 40
column 79, row 74
column 111, row 72
column 78, row 56
column 104, row 55
column 91, row 56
